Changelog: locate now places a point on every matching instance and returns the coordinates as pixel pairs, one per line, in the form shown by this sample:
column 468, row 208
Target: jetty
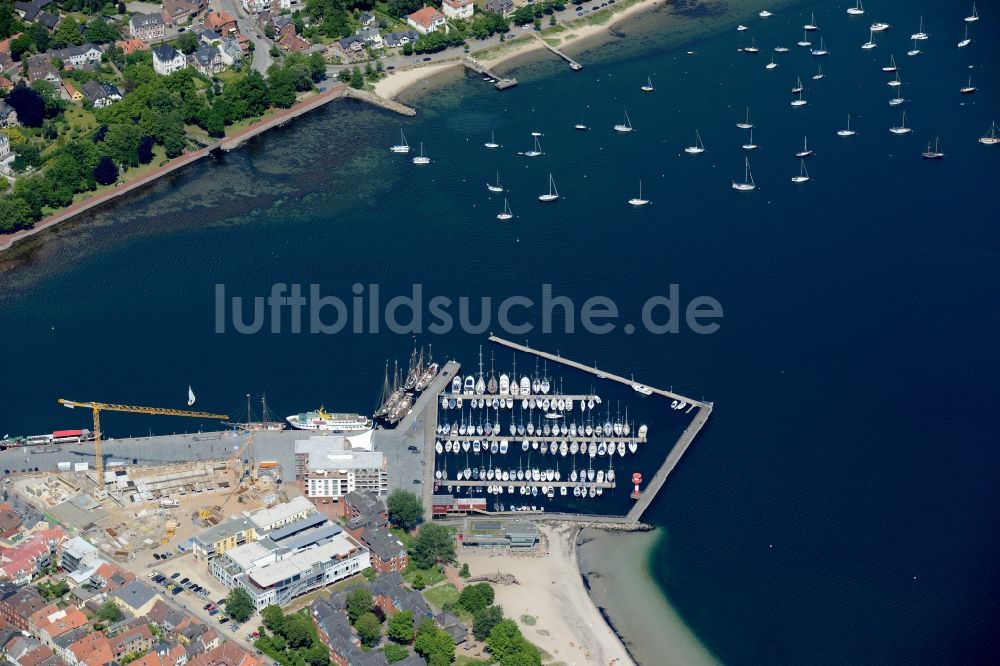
column 573, row 64
column 502, row 83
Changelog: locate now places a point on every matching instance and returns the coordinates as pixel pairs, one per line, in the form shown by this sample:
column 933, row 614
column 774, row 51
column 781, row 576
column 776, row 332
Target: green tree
column 434, row 644
column 510, row 647
column 476, row 597
column 464, row 572
column 402, row 8
column 274, row 619
column 239, row 605
column 146, row 150
column 9, row 21
column 278, row 642
column 484, row 620
column 370, row 574
column 100, row 31
column 20, row 45
column 369, row 630
column 110, row 612
column 29, row 104
column 187, row 43
column 418, row 582
column 405, row 509
column 122, row 144
column 434, row 544
column 67, row 33
column 15, row 214
column 316, row 655
column 394, row 653
column 298, row 631
column 357, row 79
column 359, row 602
column 106, row 173
column 400, row 627
column 40, row 35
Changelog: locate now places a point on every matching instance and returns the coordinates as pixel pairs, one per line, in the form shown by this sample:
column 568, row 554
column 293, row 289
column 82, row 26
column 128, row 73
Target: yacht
column 747, row 183
column 497, row 187
column 553, row 194
column 896, row 82
column 746, row 124
column 812, row 23
column 781, row 49
column 879, row 26
column 856, row 10
column 920, row 34
column 535, row 151
column 506, row 214
column 402, row 146
column 581, row 127
column 492, row 143
column 848, row 131
column 753, row 46
column 898, row 99
column 750, row 145
column 803, row 174
column 698, row 146
column 974, row 16
column 870, row 44
column 639, row 201
column 648, row 87
column 625, row 126
column 798, row 102
column 420, row 159
column 456, row 384
column 741, row 28
column 642, row 389
column 991, row 138
column 771, row 65
column 915, row 51
column 805, row 40
column 965, row 42
column 902, row 128
column 891, row 67
column 935, row 154
column 821, row 51
column 968, row 89
column 765, row 14
column 819, row 73
column 798, row 85
column 805, row 152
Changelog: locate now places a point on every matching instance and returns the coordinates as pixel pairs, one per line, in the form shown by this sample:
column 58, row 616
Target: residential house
column 283, row 25
column 4, row 147
column 368, row 20
column 146, row 27
column 282, row 514
column 225, row 536
column 29, row 10
column 426, row 20
column 63, row 642
column 34, row 552
column 371, row 36
column 457, row 9
column 231, row 52
column 397, row 39
column 18, row 604
column 110, row 577
column 256, row 6
column 363, row 503
column 91, row 650
column 168, row 618
column 77, row 554
column 199, row 639
column 278, row 5
column 207, row 60
column 387, row 552
column 55, row 623
column 180, row 11
column 10, row 521
column 167, row 60
column 221, row 22
column 209, row 37
column 453, row 627
column 226, row 654
column 47, row 20
column 389, row 594
column 5, row 84
column 83, row 54
column 70, row 93
column 137, row 640
column 502, row 7
column 40, row 69
column 101, row 94
column 36, row 657
column 293, row 43
column 136, row 598
column 19, row 646
column 350, row 45
column 130, row 46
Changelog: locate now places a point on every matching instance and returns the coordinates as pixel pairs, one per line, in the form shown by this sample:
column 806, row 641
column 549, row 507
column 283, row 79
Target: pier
column 489, row 397
column 573, row 64
column 601, row 374
column 526, row 483
column 502, row 83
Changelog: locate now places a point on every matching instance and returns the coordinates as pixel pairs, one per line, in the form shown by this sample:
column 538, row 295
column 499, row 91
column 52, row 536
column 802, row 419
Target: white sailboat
column 649, row 85
column 495, row 188
column 781, row 49
column 750, row 145
column 935, row 154
column 812, row 23
column 191, row 398
column 420, row 159
column 753, row 46
column 915, row 51
column 535, row 151
column 848, row 131
column 624, row 126
column 891, row 67
column 805, row 40
column 492, row 143
column 902, row 128
column 771, row 65
column 553, row 194
column 898, row 99
column 506, row 214
column 798, row 85
column 639, row 201
column 799, row 102
column 879, row 26
column 856, row 10
column 698, row 146
column 803, row 174
column 580, row 126
column 819, row 73
column 765, row 14
column 747, row 183
column 966, row 41
column 402, row 146
column 968, row 89
column 870, row 44
column 920, row 34
column 991, row 138
column 805, row 152
column 895, row 82
column 821, row 51
column 746, row 124
column 974, row 16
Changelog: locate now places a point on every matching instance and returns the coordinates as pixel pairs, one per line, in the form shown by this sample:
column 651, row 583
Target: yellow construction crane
column 98, row 407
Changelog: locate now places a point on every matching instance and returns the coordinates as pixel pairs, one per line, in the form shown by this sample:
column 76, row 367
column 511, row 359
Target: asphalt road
column 248, row 26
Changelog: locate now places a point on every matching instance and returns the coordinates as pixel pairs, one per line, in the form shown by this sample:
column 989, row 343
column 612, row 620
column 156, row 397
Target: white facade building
column 457, row 9
column 167, row 60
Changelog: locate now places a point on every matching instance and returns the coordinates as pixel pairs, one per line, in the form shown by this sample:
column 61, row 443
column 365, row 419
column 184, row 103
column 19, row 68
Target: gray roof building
column 47, row 19
column 136, row 594
column 165, row 52
column 30, row 10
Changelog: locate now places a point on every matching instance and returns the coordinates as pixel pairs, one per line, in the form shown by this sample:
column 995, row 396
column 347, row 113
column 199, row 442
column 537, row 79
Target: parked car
column 214, row 611
column 176, row 591
column 207, row 607
column 175, row 574
column 224, row 620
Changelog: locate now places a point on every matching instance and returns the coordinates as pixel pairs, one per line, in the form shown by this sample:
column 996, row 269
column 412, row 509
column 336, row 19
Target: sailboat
column 765, row 14
column 495, row 188
column 848, row 131
column 799, row 102
column 991, row 138
column 974, row 16
column 879, row 26
column 580, row 126
column 891, row 67
column 506, row 214
column 805, row 152
column 798, row 85
column 746, row 124
column 915, row 51
column 553, row 192
column 898, row 99
column 649, row 85
column 753, row 46
column 856, row 10
column 968, row 89
column 639, row 201
column 781, row 49
column 819, row 73
column 821, row 51
column 812, row 23
column 191, row 398
column 935, row 154
column 492, row 143
column 535, row 151
column 625, row 126
column 402, row 146
column 698, row 146
column 747, row 183
column 805, row 40
column 750, row 145
column 771, row 65
column 803, row 174
column 965, row 42
column 870, row 44
column 895, row 82
column 420, row 159
column 902, row 129
column 920, row 34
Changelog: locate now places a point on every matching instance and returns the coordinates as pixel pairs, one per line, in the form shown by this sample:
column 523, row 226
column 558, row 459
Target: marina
column 500, row 82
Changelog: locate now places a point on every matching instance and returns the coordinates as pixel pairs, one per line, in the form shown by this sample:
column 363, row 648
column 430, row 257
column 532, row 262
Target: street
column 262, row 45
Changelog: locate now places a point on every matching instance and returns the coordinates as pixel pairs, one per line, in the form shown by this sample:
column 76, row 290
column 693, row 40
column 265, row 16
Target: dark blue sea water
column 841, row 504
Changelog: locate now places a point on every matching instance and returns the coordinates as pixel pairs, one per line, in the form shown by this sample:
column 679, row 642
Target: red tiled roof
column 425, row 16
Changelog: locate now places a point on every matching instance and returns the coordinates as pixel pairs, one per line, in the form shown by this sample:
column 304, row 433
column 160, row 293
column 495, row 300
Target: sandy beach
column 567, row 624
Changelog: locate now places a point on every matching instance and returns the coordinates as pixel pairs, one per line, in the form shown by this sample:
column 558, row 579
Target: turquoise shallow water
column 840, row 506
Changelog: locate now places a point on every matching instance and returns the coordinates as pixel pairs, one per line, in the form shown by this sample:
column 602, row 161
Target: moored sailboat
column 402, row 146
column 625, row 125
column 698, row 146
column 935, row 154
column 747, row 184
column 803, row 174
column 506, row 214
column 553, row 193
column 638, row 201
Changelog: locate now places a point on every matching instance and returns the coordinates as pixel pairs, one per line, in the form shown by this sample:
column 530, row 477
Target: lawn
column 430, row 576
column 442, row 594
column 462, row 660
